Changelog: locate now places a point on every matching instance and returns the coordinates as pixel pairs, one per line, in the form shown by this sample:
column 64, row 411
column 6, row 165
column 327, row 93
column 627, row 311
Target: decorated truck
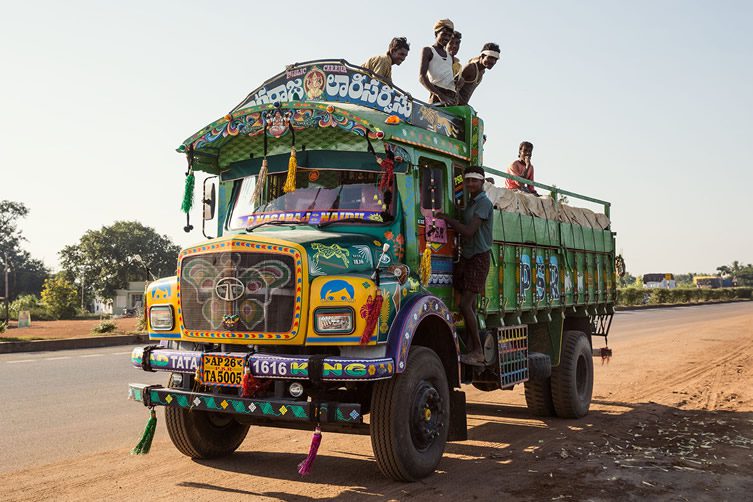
column 322, row 295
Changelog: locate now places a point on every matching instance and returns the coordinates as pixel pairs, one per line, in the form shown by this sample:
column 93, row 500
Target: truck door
column 435, row 196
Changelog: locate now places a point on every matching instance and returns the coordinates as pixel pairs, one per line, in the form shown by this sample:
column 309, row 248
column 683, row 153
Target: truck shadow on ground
column 620, row 450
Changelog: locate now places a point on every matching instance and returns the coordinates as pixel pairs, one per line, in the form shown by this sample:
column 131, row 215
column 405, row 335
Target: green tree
column 626, row 280
column 26, row 274
column 104, row 260
column 742, row 274
column 10, row 235
column 60, row 297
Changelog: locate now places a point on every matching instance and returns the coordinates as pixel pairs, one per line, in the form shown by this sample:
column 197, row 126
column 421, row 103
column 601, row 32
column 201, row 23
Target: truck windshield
column 321, row 196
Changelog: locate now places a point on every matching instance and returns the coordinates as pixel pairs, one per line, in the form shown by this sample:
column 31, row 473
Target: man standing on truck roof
column 469, row 276
column 523, row 169
column 436, row 66
column 396, row 54
column 474, row 71
column 453, row 47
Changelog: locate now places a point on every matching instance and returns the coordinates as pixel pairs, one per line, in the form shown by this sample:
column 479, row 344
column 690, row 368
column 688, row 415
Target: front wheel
column 573, row 379
column 410, row 416
column 204, row 434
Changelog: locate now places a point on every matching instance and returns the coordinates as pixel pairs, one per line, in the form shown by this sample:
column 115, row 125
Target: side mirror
column 210, row 200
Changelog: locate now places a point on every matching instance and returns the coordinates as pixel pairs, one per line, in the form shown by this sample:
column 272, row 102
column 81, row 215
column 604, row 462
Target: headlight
column 161, row 318
column 334, row 320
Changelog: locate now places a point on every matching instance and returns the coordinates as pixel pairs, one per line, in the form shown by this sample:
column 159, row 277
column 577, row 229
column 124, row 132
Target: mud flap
column 458, row 423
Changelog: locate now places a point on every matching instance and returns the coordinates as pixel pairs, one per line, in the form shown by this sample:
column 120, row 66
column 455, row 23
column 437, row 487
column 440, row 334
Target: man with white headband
column 469, row 275
column 474, row 71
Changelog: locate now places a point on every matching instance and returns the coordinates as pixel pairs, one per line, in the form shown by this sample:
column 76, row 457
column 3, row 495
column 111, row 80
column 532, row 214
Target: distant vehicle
column 663, row 281
column 709, row 281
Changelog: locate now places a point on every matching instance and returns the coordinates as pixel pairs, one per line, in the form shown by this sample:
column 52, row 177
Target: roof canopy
column 325, row 104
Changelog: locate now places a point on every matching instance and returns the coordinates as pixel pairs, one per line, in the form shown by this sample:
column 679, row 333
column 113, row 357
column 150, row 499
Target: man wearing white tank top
column 436, row 66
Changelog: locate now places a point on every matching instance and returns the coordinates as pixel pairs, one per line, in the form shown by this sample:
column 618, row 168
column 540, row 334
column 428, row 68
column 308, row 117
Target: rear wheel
column 539, row 397
column 204, row 434
column 410, row 416
column 539, row 386
column 573, row 379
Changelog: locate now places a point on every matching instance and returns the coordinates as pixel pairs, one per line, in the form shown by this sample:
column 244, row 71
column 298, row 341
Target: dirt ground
column 48, row 330
column 671, row 419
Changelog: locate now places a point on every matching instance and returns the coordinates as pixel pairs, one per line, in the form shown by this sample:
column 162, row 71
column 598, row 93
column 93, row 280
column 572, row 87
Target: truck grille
column 238, row 292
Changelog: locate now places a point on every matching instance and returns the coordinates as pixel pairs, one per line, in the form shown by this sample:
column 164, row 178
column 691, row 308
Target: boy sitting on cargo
column 469, row 277
column 381, row 65
column 523, row 169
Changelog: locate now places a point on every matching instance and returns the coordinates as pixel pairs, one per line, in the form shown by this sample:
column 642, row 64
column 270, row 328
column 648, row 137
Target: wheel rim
column 427, row 416
column 220, row 420
column 581, row 372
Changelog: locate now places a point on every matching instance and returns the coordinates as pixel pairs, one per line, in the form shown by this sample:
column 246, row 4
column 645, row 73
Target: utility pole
column 5, row 265
column 83, row 284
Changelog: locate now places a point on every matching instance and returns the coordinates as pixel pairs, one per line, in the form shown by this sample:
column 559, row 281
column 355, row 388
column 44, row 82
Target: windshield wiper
column 273, row 222
column 347, row 220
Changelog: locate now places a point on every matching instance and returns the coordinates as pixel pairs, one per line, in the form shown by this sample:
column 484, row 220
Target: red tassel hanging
column 388, row 172
column 304, row 468
column 250, row 385
column 375, row 309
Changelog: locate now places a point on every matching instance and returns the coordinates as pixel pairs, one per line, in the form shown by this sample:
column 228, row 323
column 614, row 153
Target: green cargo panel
column 528, row 230
column 491, row 290
column 512, row 227
column 509, row 278
column 542, row 232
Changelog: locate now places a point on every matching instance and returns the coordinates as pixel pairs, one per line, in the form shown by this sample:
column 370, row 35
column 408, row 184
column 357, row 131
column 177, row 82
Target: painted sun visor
column 339, row 310
column 162, row 296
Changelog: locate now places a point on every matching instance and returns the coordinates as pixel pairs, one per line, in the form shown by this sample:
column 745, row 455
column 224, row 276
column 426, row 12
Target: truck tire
column 539, row 397
column 203, row 434
column 410, row 416
column 573, row 379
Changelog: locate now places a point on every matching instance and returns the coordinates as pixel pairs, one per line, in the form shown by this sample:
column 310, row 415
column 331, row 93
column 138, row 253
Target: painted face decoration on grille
column 225, row 289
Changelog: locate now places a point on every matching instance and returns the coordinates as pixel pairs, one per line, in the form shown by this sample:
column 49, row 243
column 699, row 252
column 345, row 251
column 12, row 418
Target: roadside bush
column 630, row 296
column 637, row 296
column 105, row 327
column 32, row 303
column 3, row 326
column 744, row 292
column 660, row 295
column 23, row 302
column 141, row 321
column 60, row 297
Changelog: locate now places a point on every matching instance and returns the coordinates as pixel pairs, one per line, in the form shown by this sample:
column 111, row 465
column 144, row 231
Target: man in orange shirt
column 523, row 169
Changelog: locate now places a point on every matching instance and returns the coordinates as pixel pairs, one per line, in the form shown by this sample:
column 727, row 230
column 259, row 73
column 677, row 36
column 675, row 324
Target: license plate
column 222, row 370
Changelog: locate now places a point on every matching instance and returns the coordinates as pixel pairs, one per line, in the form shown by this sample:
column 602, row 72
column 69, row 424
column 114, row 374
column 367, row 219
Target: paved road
column 59, row 405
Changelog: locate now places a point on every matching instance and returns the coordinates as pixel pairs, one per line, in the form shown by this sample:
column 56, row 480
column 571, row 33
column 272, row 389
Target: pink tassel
column 304, row 468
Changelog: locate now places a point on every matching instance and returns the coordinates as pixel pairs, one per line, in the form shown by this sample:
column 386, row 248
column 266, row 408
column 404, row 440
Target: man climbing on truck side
column 469, row 277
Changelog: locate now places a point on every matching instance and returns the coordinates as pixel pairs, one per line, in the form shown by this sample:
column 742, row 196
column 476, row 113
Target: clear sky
column 646, row 104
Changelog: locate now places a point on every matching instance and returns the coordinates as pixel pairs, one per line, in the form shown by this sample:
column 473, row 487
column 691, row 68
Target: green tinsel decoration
column 145, row 443
column 188, row 193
